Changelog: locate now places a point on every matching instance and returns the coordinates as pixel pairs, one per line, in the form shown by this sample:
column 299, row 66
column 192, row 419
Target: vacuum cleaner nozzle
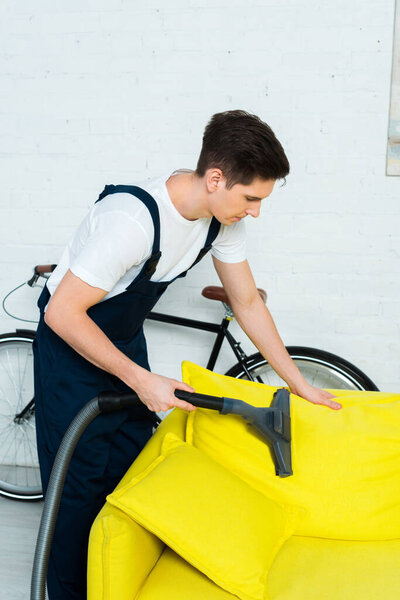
column 272, row 422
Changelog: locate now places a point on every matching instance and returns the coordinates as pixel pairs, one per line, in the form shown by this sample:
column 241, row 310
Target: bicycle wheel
column 19, row 466
column 320, row 368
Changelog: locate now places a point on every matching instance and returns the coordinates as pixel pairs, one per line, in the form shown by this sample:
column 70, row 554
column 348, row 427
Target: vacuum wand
column 272, row 422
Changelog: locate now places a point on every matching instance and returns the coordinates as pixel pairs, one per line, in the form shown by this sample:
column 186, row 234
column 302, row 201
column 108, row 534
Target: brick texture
column 114, row 91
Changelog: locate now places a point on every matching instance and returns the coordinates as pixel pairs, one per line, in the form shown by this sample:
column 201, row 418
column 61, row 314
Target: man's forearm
column 256, row 321
column 86, row 338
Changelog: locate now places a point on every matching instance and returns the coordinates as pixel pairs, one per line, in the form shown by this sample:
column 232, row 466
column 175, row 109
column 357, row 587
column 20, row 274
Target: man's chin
column 228, row 220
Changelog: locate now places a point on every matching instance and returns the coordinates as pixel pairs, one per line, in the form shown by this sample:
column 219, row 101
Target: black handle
column 201, row 400
column 112, row 401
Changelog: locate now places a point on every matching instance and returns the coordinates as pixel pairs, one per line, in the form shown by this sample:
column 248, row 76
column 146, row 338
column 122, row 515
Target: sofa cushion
column 305, row 568
column 213, row 519
column 308, row 568
column 346, row 463
column 174, row 579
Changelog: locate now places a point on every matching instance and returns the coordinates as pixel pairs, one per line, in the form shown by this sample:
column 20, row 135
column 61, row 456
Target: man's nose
column 254, row 211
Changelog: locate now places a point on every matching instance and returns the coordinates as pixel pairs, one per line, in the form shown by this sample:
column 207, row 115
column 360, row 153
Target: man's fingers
column 183, row 386
column 179, row 385
column 330, row 404
column 184, row 405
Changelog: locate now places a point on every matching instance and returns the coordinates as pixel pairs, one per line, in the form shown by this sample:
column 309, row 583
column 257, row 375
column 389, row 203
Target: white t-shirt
column 116, row 237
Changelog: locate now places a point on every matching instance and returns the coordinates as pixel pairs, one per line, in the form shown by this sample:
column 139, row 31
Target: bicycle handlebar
column 40, row 271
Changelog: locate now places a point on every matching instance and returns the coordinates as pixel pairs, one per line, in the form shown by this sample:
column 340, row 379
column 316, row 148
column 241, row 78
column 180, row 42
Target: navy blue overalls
column 65, row 381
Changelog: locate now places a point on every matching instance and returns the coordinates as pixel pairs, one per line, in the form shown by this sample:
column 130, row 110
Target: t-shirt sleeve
column 116, row 242
column 230, row 244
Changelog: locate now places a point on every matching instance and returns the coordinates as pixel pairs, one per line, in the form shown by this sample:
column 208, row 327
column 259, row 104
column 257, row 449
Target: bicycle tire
column 19, row 465
column 320, row 368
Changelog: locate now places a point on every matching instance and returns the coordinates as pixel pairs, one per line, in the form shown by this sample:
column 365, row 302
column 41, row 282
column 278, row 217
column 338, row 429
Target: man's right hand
column 157, row 392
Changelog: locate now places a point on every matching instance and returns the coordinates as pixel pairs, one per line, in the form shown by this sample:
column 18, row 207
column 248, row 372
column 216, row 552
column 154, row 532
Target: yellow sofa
column 201, row 515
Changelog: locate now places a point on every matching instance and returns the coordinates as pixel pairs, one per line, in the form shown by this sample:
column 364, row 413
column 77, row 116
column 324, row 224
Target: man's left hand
column 317, row 396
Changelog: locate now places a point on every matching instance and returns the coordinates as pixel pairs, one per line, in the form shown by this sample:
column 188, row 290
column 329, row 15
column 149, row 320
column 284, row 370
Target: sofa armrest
column 121, row 555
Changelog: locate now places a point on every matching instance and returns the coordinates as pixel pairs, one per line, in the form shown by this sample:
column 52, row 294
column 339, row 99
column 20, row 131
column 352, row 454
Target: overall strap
column 151, row 264
column 213, row 231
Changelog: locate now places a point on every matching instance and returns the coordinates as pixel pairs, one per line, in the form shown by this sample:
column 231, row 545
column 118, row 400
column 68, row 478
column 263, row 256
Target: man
column 134, row 242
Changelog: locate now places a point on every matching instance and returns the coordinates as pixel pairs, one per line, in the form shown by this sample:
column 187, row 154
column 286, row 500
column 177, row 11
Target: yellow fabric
column 346, row 463
column 121, row 555
column 174, row 579
column 213, row 519
column 304, row 569
column 174, row 422
column 312, row 568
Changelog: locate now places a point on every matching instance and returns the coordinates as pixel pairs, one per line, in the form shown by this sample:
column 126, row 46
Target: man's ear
column 214, row 179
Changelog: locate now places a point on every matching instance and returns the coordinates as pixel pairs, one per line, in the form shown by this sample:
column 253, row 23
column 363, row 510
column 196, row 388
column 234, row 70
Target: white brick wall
column 113, row 91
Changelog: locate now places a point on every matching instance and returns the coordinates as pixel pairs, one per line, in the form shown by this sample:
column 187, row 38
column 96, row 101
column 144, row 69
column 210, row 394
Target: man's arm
column 256, row 321
column 66, row 315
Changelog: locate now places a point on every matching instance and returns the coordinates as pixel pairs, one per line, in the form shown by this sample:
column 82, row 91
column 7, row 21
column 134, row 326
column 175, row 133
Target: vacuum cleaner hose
column 53, row 495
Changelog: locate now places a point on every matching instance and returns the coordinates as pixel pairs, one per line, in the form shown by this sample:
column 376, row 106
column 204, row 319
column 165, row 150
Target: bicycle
column 19, row 470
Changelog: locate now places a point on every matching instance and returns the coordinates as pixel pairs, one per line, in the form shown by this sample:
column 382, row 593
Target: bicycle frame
column 221, row 330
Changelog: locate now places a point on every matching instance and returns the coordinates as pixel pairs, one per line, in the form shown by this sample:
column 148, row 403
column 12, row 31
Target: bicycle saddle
column 216, row 292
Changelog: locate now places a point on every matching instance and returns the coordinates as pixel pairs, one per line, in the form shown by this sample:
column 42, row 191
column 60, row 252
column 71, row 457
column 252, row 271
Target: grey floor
column 19, row 523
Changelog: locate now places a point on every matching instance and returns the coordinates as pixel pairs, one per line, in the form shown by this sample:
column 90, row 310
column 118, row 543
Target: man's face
column 229, row 206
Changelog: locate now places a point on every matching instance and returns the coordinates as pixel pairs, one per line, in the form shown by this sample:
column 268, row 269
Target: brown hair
column 243, row 147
